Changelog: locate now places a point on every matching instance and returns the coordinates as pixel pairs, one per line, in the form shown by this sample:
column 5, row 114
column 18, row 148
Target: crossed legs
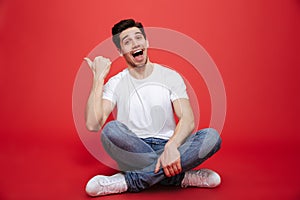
column 137, row 157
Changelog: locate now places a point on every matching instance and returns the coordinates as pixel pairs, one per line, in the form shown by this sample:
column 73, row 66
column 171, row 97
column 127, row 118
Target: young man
column 144, row 140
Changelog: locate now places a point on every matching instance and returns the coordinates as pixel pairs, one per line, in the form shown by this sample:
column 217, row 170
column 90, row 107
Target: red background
column 255, row 45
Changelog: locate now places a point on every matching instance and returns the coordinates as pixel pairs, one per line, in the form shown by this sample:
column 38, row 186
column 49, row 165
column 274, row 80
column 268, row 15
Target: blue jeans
column 137, row 157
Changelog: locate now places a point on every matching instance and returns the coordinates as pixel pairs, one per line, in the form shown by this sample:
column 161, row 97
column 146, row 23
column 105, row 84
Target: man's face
column 134, row 47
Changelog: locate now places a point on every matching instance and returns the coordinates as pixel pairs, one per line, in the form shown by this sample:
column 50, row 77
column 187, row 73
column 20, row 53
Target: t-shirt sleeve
column 178, row 87
column 109, row 90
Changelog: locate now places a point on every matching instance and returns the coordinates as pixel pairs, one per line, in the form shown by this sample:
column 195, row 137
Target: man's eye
column 126, row 42
column 139, row 37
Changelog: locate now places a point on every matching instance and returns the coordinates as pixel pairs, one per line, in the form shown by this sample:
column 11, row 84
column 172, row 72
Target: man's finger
column 175, row 169
column 89, row 62
column 171, row 171
column 166, row 171
column 178, row 166
column 157, row 166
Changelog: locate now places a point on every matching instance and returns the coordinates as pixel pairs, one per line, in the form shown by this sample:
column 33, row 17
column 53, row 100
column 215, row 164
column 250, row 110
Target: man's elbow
column 192, row 125
column 92, row 127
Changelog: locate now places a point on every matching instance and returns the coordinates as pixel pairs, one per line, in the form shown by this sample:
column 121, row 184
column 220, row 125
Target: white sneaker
column 201, row 178
column 104, row 185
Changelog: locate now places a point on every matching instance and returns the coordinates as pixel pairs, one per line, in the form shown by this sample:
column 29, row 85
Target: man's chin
column 142, row 64
column 138, row 64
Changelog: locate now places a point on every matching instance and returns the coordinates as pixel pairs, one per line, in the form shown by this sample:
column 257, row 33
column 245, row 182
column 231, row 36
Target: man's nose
column 134, row 43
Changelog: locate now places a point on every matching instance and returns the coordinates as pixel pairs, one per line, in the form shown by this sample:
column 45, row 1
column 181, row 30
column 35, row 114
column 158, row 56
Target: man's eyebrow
column 126, row 36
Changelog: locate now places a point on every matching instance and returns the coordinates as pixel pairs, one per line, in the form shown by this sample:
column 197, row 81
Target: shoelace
column 197, row 178
column 109, row 186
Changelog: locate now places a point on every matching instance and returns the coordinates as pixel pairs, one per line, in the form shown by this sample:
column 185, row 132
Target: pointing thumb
column 89, row 62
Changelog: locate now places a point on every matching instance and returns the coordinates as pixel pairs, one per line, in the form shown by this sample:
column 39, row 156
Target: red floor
column 35, row 167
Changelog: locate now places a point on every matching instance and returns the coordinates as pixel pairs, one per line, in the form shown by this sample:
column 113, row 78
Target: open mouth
column 137, row 53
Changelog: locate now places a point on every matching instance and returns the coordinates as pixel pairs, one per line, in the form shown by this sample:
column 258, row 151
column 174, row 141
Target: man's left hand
column 169, row 160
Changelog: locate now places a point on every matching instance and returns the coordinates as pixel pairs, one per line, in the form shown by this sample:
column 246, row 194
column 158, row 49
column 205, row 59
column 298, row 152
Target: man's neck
column 142, row 71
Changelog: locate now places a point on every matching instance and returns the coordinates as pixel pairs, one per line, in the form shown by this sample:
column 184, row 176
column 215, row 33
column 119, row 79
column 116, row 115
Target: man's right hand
column 100, row 66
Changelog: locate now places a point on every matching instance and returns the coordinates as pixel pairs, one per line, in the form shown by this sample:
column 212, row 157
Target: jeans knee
column 214, row 137
column 111, row 128
column 211, row 140
column 109, row 131
column 114, row 131
column 213, row 133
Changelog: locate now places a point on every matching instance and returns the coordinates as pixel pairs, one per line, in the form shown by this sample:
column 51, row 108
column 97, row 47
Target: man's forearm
column 94, row 110
column 184, row 128
column 170, row 158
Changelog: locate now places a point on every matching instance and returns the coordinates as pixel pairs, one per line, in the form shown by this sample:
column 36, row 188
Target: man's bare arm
column 186, row 124
column 97, row 109
column 170, row 158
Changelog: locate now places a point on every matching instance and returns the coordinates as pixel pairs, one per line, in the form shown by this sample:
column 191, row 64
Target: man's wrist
column 172, row 142
column 98, row 87
column 99, row 79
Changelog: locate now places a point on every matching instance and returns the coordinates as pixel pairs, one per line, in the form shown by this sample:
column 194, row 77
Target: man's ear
column 147, row 43
column 120, row 52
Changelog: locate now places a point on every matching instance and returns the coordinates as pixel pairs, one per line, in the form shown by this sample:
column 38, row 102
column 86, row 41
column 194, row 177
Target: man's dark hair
column 123, row 25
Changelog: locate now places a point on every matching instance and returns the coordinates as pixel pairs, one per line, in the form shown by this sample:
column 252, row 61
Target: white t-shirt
column 145, row 105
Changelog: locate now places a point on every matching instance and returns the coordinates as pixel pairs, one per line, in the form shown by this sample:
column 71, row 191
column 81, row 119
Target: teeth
column 137, row 51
